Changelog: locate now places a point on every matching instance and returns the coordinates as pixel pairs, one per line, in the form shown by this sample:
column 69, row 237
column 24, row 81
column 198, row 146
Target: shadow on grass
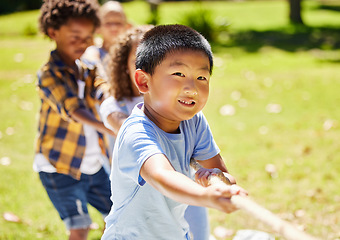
column 291, row 39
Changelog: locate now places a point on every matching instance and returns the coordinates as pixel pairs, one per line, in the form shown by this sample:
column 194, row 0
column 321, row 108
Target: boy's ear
column 129, row 25
column 142, row 80
column 51, row 33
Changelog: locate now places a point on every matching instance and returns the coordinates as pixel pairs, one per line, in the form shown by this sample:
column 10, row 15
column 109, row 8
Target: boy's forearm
column 214, row 162
column 179, row 188
column 84, row 116
column 182, row 189
column 158, row 172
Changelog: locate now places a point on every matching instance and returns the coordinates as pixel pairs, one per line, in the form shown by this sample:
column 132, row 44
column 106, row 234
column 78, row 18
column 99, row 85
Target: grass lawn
column 273, row 105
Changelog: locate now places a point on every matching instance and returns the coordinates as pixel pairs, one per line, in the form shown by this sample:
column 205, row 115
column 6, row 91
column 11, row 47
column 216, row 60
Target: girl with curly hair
column 121, row 68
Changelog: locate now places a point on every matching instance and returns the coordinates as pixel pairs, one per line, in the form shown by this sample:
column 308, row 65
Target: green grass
column 262, row 60
column 19, row 23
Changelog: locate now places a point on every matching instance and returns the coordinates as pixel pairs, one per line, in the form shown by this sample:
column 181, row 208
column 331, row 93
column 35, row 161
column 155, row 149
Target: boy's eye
column 113, row 24
column 202, row 78
column 78, row 39
column 178, row 74
column 75, row 38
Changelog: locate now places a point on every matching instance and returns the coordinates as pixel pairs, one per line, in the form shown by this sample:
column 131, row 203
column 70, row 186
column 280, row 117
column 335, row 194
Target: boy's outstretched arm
column 84, row 116
column 158, row 172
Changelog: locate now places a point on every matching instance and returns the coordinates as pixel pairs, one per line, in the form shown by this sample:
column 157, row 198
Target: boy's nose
column 191, row 93
column 190, row 88
column 86, row 41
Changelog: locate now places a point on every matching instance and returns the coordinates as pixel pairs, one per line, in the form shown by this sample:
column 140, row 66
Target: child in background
column 125, row 95
column 150, row 175
column 70, row 149
column 121, row 68
column 113, row 22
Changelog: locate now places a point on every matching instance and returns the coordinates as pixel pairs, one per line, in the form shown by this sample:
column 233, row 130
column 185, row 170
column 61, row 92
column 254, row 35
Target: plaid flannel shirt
column 60, row 138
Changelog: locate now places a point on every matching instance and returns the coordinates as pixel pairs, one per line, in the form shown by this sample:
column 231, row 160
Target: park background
column 273, row 109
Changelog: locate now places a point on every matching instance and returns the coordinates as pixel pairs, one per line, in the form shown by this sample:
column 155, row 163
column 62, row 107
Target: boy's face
column 178, row 89
column 73, row 38
column 112, row 24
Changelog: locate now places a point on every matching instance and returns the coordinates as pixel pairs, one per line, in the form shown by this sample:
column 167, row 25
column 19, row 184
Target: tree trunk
column 295, row 12
column 154, row 11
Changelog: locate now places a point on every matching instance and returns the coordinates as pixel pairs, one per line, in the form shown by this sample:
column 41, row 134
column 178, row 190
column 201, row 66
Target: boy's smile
column 72, row 39
column 178, row 88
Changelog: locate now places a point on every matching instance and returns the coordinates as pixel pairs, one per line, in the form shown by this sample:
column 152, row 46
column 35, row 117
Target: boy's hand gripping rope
column 285, row 229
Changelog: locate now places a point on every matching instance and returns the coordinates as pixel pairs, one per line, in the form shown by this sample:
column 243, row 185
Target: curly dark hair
column 117, row 62
column 55, row 13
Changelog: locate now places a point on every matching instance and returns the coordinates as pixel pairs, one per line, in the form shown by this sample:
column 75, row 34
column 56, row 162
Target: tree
column 154, row 11
column 295, row 12
column 9, row 6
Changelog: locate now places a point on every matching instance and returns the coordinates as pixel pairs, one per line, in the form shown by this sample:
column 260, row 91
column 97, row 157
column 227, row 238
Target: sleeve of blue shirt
column 138, row 143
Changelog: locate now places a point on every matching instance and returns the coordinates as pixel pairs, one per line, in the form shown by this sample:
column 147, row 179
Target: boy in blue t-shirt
column 150, row 175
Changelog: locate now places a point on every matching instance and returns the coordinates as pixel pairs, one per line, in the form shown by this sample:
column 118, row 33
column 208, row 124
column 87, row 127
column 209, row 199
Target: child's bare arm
column 158, row 172
column 84, row 116
column 211, row 165
column 214, row 162
column 116, row 120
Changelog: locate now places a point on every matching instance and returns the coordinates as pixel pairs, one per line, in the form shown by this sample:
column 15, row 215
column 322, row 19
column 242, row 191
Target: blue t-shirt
column 139, row 211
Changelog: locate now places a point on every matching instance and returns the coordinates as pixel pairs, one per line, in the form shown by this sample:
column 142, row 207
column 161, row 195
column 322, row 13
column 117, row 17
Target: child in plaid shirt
column 70, row 149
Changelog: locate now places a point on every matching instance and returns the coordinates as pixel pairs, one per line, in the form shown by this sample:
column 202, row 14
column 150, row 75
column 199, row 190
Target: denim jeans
column 70, row 196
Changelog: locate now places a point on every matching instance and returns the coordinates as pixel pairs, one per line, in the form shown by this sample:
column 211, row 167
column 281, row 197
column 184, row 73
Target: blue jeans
column 70, row 196
column 197, row 218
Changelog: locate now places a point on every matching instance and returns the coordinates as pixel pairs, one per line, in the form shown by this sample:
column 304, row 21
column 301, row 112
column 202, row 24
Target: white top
column 111, row 105
column 139, row 211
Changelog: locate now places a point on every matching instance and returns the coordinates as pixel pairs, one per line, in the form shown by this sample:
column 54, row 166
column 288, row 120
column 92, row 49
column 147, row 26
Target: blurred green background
column 273, row 109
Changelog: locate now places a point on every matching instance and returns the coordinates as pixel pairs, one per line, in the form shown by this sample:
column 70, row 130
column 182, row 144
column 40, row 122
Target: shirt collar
column 56, row 59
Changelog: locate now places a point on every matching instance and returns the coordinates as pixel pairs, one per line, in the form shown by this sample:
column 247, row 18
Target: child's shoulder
column 196, row 125
column 137, row 121
column 54, row 62
column 137, row 116
column 50, row 70
column 136, row 127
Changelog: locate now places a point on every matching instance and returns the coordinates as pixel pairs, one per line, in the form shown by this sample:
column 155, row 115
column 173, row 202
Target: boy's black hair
column 55, row 13
column 164, row 39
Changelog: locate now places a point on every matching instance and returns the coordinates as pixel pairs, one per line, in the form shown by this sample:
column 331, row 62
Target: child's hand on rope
column 219, row 188
column 202, row 176
column 219, row 195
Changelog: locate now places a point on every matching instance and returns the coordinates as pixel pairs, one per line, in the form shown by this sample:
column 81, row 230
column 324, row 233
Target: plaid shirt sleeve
column 100, row 85
column 59, row 91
